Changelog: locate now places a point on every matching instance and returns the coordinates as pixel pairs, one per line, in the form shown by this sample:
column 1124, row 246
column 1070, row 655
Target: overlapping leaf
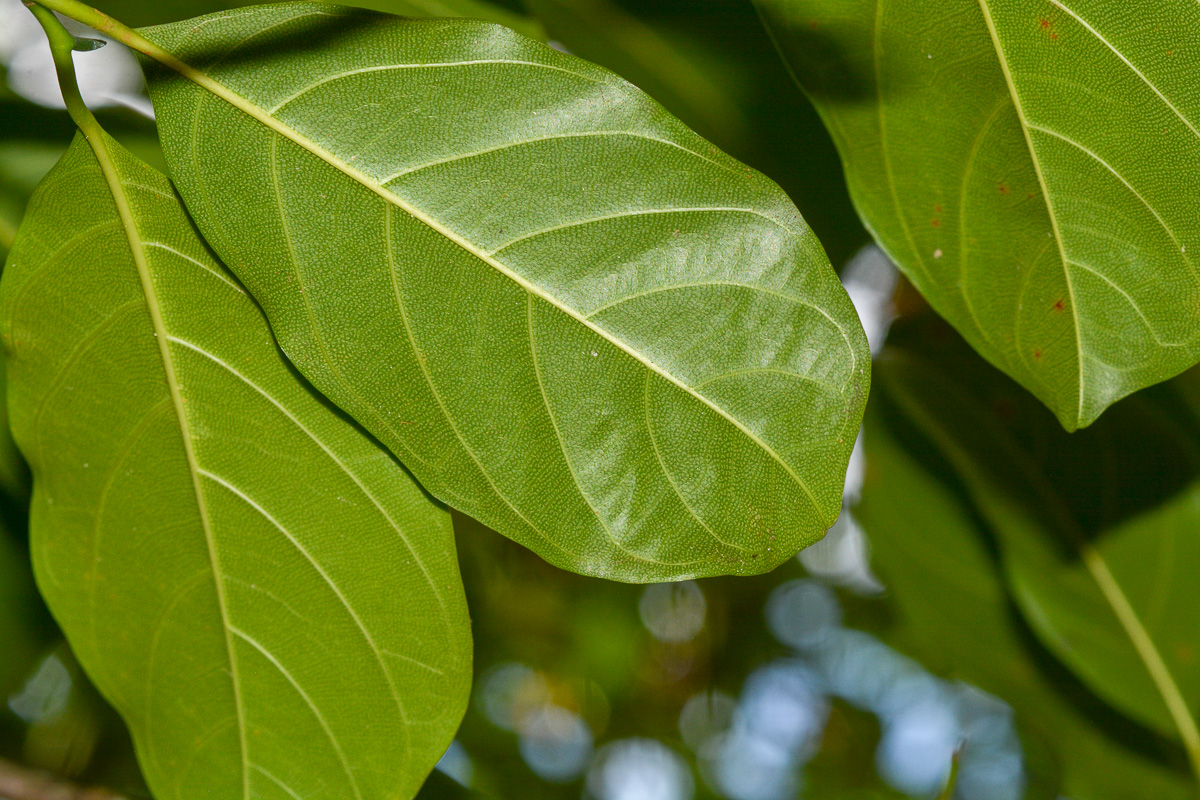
column 1096, row 529
column 955, row 614
column 263, row 593
column 568, row 315
column 1030, row 164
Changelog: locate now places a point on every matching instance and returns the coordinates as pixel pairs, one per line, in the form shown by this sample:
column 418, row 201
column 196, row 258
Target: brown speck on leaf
column 813, row 24
column 1029, row 195
column 1045, row 23
column 937, row 209
column 937, row 223
column 1037, row 353
column 675, row 232
column 1054, row 36
column 1003, row 189
column 1058, row 306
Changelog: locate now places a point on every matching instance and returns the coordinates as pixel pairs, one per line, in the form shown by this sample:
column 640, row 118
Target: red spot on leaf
column 1054, row 36
column 1045, row 23
column 937, row 209
column 1058, row 306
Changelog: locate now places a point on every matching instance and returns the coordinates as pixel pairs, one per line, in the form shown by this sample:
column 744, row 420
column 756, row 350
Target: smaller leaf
column 954, row 613
column 1096, row 529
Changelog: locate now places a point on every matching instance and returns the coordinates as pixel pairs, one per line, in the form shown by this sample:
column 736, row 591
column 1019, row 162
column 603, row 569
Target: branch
column 20, row 783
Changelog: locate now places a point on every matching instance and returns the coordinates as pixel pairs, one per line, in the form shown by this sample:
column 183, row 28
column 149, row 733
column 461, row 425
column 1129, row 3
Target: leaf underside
column 268, row 599
column 568, row 315
column 1031, row 166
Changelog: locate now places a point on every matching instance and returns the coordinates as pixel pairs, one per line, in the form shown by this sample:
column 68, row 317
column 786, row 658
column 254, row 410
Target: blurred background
column 893, row 659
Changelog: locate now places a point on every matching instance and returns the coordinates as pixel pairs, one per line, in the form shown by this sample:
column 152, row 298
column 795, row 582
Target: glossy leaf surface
column 1030, row 164
column 568, row 315
column 268, row 599
column 1096, row 528
column 955, row 614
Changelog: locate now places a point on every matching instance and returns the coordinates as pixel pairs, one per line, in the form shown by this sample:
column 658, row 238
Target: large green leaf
column 570, row 317
column 1096, row 528
column 954, row 613
column 1030, row 165
column 262, row 592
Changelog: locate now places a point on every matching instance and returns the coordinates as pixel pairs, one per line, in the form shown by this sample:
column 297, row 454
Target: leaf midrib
column 117, row 190
column 206, row 82
column 1037, row 168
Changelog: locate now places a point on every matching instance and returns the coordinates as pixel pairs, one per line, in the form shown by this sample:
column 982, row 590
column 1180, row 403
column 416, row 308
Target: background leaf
column 955, row 614
column 249, row 579
column 1009, row 157
column 1094, row 528
column 570, row 316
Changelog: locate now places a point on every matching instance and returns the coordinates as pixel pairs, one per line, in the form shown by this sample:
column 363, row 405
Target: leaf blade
column 478, row 193
column 1034, row 218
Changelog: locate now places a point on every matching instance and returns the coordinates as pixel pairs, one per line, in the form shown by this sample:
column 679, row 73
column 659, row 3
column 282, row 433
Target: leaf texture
column 1030, row 165
column 268, row 599
column 568, row 315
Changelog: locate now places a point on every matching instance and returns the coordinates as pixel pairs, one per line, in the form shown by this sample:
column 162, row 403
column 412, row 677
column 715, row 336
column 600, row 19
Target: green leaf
column 570, row 317
column 1096, row 529
column 22, row 165
column 1029, row 164
column 268, row 599
column 954, row 614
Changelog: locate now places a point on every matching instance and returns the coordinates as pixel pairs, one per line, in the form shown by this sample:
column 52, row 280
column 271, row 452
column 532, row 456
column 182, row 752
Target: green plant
column 397, row 278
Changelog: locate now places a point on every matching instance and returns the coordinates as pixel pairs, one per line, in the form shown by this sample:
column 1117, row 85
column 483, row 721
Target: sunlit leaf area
column 601, row 399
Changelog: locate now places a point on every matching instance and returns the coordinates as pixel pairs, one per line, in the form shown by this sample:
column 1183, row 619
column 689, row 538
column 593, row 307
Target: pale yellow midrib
column 121, row 200
column 1037, row 168
column 250, row 109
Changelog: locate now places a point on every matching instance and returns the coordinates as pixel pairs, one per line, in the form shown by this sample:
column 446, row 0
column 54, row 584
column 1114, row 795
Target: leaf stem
column 94, row 18
column 62, row 45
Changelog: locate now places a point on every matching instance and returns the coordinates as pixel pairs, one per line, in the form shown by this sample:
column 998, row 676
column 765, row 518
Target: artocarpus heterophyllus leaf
column 265, row 595
column 949, row 594
column 567, row 314
column 1094, row 529
column 1031, row 165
